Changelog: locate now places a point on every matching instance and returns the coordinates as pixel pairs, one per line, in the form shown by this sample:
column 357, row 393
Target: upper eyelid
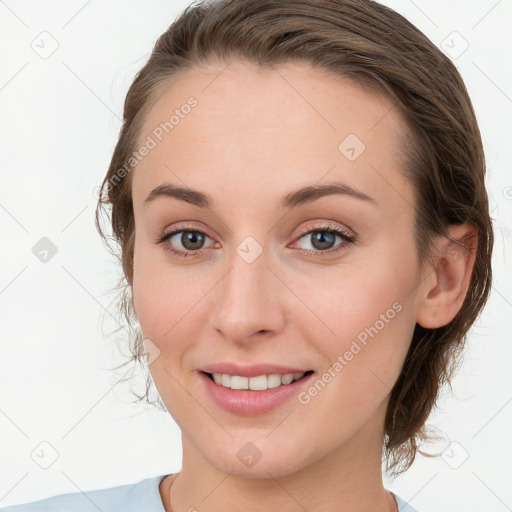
column 325, row 225
column 308, row 228
column 179, row 228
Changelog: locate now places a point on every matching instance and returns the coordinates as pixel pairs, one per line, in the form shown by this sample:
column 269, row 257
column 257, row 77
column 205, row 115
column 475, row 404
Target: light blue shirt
column 143, row 496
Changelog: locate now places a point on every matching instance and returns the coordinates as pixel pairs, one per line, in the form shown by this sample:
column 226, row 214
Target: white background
column 60, row 119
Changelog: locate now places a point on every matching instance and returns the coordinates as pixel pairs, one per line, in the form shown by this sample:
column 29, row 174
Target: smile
column 258, row 383
column 234, row 395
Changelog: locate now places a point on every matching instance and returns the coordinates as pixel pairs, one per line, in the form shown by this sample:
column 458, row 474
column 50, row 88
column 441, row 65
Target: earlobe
column 444, row 289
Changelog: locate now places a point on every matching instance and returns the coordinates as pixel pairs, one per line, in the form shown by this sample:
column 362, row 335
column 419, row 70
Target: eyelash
column 326, row 228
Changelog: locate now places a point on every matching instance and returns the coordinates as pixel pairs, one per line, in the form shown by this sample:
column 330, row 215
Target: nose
column 249, row 302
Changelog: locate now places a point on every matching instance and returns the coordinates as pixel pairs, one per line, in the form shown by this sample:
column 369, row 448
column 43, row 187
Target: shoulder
column 403, row 506
column 143, row 495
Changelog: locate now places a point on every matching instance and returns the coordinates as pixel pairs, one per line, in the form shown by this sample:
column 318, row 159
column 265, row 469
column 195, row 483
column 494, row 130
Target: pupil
column 193, row 238
column 320, row 237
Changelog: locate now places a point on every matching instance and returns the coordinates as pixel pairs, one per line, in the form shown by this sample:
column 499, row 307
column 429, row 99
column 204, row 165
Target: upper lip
column 250, row 370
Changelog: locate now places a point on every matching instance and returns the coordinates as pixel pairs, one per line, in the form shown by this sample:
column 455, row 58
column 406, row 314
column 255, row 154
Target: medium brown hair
column 380, row 51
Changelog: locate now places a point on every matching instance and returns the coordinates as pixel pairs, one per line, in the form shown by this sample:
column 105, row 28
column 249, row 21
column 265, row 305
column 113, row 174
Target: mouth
column 249, row 396
column 257, row 383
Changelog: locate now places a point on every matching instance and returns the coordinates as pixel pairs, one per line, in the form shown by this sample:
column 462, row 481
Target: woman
column 298, row 193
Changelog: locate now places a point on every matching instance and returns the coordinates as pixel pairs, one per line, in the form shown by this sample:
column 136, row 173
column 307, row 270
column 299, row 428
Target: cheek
column 151, row 297
column 371, row 326
column 355, row 297
column 156, row 304
column 364, row 313
column 166, row 299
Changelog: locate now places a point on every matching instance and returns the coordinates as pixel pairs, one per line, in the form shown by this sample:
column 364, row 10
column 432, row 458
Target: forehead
column 269, row 128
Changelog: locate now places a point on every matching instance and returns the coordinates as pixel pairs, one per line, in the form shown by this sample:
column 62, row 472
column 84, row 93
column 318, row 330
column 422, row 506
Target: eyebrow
column 291, row 200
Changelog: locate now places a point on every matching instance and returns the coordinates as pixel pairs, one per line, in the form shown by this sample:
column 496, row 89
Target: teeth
column 259, row 383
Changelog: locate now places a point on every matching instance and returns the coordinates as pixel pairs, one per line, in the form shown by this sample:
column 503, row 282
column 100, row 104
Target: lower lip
column 249, row 402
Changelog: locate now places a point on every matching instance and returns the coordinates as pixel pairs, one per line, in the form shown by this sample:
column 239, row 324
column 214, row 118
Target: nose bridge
column 248, row 298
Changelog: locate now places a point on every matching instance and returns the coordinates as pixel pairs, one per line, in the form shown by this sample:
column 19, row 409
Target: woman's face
column 261, row 277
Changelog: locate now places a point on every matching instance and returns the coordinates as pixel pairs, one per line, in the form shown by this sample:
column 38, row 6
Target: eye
column 322, row 240
column 192, row 241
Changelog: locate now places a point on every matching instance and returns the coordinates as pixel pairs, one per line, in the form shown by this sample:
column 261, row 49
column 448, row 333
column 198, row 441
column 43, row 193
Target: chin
column 261, row 470
column 250, row 462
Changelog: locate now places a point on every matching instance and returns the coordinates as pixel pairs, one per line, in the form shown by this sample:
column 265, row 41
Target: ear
column 445, row 284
